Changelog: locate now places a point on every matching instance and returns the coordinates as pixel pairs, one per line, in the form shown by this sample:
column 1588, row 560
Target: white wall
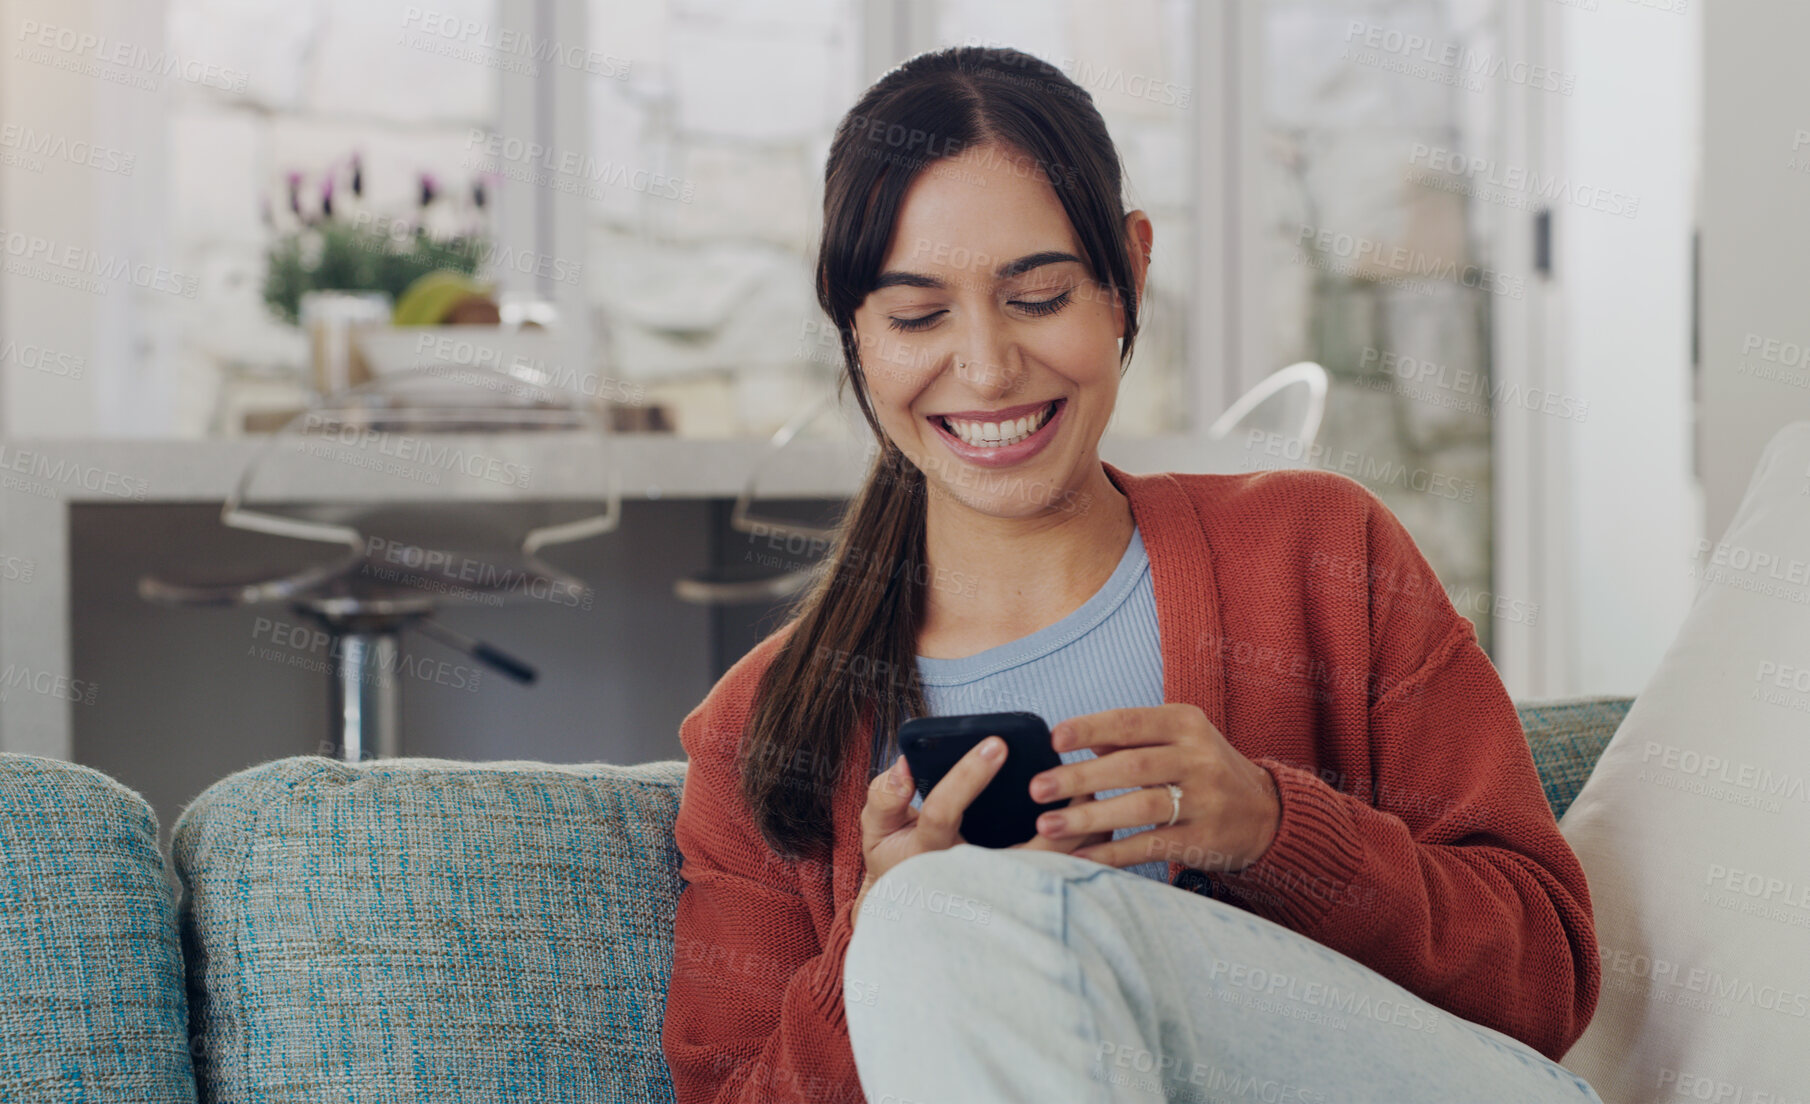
column 1631, row 125
column 101, row 197
column 1756, row 239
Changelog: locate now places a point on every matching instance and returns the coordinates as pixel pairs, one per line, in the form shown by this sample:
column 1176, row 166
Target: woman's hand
column 1230, row 810
column 892, row 831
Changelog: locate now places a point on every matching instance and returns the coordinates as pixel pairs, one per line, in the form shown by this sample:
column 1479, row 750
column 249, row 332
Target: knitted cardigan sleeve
column 1444, row 869
column 754, row 1006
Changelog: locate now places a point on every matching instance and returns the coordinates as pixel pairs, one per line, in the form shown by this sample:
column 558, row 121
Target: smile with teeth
column 999, row 434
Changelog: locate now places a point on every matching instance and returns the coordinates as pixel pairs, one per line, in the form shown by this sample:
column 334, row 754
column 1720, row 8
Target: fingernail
column 993, row 748
column 1050, row 824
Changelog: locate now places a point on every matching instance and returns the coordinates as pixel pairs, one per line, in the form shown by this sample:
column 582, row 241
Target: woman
column 1307, row 856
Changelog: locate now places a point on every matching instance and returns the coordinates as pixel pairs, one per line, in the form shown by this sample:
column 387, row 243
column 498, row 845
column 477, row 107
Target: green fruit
column 427, row 300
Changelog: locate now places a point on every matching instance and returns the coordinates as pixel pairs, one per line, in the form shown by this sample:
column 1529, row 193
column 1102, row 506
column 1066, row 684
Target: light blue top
column 1104, row 655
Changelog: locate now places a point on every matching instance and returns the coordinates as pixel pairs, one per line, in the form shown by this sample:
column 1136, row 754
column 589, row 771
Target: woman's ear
column 1139, row 232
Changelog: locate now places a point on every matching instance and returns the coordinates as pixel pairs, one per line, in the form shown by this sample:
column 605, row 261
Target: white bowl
column 391, row 349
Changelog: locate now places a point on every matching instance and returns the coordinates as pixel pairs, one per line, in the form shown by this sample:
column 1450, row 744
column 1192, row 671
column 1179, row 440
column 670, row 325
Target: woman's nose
column 992, row 378
column 986, row 362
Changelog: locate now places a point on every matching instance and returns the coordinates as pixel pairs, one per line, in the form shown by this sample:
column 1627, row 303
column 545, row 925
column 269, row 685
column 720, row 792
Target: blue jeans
column 994, row 975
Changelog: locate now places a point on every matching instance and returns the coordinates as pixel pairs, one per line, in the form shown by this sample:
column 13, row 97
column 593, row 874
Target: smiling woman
column 1423, row 934
column 1002, row 285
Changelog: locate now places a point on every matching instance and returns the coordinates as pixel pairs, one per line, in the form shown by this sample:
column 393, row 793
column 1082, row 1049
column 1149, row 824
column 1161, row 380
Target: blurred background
column 1548, row 254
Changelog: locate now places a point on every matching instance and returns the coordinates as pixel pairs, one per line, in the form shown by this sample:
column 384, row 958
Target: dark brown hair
column 852, row 652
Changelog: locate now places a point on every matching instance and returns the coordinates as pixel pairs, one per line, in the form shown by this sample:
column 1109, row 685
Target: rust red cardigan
column 1295, row 610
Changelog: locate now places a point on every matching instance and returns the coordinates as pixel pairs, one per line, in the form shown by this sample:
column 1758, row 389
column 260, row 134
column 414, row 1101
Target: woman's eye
column 911, row 324
column 1035, row 307
column 1044, row 306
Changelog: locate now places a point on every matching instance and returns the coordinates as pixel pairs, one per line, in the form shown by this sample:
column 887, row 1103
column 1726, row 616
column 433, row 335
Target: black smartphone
column 1004, row 813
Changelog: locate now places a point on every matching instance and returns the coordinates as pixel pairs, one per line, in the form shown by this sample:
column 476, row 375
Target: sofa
column 398, row 931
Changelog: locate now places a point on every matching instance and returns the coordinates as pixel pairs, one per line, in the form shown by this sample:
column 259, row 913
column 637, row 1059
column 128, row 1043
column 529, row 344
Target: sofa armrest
column 91, row 996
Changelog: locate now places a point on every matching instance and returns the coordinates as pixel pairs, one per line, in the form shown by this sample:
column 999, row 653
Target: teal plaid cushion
column 413, row 930
column 1566, row 738
column 91, row 996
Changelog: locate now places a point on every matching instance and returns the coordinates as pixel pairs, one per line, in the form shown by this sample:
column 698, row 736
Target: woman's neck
column 992, row 580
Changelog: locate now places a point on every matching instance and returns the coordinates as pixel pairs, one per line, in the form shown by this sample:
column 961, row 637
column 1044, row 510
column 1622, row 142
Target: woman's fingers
column 1109, row 729
column 1114, row 770
column 888, row 805
column 1140, row 807
column 1065, row 843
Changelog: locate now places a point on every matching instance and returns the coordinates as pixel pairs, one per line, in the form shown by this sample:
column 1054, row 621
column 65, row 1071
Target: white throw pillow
column 1694, row 828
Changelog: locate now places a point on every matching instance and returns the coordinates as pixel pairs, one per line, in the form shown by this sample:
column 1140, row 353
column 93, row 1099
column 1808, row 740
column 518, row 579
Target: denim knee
column 934, row 914
column 940, row 892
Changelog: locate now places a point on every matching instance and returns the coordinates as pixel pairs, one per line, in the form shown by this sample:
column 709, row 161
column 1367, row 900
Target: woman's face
column 991, row 355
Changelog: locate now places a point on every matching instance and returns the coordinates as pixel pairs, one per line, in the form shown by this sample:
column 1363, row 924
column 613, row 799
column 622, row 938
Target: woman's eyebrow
column 897, row 278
